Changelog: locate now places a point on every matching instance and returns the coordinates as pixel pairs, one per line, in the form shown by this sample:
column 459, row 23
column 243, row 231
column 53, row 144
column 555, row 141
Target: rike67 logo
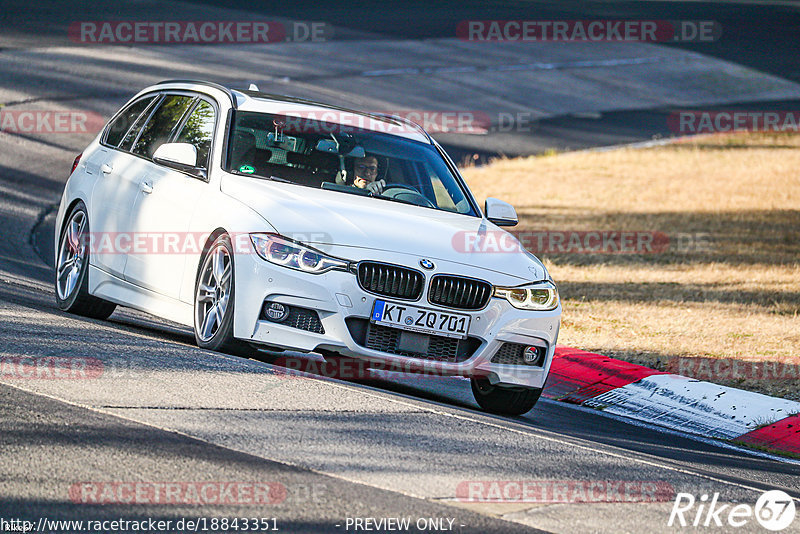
column 774, row 510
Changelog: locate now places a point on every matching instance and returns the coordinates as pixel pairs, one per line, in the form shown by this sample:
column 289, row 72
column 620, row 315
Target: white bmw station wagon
column 275, row 222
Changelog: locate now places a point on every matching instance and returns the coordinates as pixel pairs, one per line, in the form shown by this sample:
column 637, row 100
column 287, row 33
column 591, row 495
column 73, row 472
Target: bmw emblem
column 426, row 264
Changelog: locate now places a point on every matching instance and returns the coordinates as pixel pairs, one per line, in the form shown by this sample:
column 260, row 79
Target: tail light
column 75, row 163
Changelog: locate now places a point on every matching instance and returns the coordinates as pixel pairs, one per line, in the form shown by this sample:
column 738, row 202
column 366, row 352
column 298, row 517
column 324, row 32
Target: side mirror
column 500, row 213
column 179, row 156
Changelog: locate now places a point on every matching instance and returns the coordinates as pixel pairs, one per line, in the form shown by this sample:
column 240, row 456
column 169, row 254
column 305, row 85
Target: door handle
column 106, row 168
column 146, row 187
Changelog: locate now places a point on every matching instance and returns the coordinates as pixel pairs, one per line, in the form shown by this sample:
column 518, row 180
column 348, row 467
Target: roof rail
column 208, row 84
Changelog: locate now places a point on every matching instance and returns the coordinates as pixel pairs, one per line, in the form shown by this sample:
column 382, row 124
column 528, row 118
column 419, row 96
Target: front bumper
column 341, row 303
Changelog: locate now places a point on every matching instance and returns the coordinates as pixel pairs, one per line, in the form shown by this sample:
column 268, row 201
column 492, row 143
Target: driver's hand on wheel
column 377, row 187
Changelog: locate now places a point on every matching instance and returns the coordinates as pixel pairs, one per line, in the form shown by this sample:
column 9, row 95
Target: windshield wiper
column 352, row 190
column 273, row 178
column 400, row 200
column 341, row 188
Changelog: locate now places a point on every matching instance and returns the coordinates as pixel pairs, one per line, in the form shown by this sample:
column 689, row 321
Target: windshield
column 343, row 159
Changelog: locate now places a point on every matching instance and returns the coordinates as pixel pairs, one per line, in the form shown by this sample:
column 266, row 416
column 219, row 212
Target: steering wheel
column 407, row 194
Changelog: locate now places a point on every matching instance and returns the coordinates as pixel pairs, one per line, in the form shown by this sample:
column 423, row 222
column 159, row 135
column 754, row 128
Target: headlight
column 541, row 296
column 281, row 251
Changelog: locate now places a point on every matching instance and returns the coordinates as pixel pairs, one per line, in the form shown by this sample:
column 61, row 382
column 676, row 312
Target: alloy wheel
column 71, row 255
column 213, row 292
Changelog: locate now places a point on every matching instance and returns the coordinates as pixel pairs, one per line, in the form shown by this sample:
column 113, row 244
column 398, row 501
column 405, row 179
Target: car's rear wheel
column 72, row 269
column 504, row 400
column 214, row 296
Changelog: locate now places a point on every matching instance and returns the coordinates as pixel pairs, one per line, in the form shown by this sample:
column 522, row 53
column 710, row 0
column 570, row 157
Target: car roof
column 258, row 101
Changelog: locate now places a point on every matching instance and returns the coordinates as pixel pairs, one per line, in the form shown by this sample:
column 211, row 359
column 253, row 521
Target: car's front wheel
column 214, row 295
column 72, row 269
column 504, row 400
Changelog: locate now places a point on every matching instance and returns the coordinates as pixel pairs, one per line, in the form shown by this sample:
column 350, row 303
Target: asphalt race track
column 161, row 410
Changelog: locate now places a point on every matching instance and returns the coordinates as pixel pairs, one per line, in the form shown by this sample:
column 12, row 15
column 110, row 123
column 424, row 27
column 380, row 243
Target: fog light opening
column 276, row 312
column 532, row 355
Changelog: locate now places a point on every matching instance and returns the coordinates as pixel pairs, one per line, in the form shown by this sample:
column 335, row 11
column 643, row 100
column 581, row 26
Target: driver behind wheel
column 365, row 174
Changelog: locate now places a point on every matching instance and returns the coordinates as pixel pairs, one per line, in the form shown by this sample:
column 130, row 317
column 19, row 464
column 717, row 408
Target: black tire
column 221, row 340
column 75, row 297
column 504, row 400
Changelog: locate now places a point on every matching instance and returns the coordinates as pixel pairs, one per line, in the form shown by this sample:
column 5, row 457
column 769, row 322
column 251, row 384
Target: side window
column 121, row 125
column 158, row 129
column 133, row 133
column 198, row 131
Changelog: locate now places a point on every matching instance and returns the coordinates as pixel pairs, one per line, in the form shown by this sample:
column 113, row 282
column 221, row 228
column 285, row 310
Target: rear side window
column 123, row 123
column 198, row 131
column 158, row 129
column 133, row 132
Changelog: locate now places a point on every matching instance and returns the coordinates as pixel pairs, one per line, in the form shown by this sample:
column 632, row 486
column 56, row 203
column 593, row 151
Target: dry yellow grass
column 728, row 286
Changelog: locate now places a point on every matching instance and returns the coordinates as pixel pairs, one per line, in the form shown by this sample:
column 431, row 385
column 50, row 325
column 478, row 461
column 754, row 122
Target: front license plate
column 422, row 320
